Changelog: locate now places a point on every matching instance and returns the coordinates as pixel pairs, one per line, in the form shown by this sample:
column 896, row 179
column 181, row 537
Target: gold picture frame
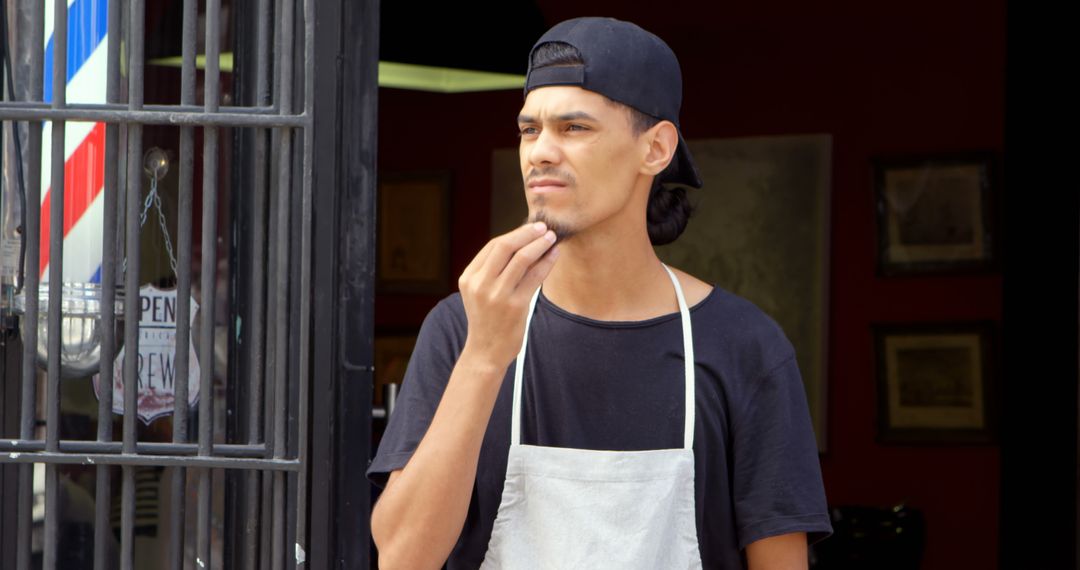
column 413, row 250
column 935, row 213
column 936, row 382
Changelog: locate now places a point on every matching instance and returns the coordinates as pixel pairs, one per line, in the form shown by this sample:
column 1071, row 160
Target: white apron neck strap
column 688, row 368
column 519, row 372
column 689, row 403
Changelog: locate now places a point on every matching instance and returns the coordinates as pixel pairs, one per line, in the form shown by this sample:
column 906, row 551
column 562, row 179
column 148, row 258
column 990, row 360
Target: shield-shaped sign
column 157, row 358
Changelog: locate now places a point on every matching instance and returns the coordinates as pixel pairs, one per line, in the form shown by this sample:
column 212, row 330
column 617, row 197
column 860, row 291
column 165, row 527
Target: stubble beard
column 562, row 231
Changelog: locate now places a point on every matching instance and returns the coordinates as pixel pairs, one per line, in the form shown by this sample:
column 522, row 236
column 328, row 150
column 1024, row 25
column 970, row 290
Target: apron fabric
column 582, row 508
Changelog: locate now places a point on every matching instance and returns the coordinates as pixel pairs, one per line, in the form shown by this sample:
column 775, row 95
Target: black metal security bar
column 257, row 117
column 345, row 74
column 143, row 448
column 276, row 447
column 33, row 228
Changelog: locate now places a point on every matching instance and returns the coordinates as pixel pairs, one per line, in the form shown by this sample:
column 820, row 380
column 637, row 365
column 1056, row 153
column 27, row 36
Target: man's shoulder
column 743, row 328
column 445, row 322
column 725, row 305
column 451, row 304
column 695, row 290
column 742, row 313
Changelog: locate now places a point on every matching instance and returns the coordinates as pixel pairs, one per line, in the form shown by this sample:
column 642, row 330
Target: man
column 566, row 409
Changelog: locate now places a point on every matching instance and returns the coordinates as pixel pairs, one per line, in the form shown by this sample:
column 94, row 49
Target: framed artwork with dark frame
column 935, row 213
column 414, row 232
column 936, row 383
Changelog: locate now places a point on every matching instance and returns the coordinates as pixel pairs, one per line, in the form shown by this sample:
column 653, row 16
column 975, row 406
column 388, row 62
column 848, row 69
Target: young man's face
column 583, row 143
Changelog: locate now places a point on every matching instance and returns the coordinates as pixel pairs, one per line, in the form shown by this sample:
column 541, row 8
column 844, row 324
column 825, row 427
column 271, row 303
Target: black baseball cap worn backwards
column 627, row 64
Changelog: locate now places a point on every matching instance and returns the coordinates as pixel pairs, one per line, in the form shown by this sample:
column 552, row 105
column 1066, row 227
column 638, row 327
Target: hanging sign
column 157, row 358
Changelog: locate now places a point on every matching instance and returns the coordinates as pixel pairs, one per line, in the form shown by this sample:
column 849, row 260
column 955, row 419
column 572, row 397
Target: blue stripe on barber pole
column 87, row 26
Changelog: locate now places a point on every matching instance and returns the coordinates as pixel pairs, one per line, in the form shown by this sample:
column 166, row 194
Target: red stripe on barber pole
column 84, row 177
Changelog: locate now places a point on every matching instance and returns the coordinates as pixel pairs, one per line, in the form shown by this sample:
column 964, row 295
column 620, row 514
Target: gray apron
column 583, row 508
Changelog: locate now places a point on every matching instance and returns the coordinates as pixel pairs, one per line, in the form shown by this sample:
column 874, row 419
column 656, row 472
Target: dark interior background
column 882, row 79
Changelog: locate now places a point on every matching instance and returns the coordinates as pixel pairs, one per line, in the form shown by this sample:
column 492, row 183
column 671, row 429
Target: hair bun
column 668, row 213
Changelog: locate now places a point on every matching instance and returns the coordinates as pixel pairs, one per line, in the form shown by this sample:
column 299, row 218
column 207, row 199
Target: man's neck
column 610, row 275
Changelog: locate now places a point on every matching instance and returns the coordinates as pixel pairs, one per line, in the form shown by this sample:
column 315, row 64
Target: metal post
column 257, row 337
column 211, row 97
column 56, row 279
column 281, row 286
column 343, row 190
column 28, row 414
column 110, row 243
column 183, row 284
column 132, row 282
column 305, row 284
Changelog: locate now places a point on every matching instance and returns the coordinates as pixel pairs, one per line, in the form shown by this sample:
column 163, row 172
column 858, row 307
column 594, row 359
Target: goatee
column 562, row 231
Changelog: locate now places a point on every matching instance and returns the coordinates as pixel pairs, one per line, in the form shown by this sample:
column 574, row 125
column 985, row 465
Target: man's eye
column 526, row 131
column 578, row 128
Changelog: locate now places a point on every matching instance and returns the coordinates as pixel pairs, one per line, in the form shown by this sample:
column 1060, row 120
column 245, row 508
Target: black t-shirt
column 619, row 386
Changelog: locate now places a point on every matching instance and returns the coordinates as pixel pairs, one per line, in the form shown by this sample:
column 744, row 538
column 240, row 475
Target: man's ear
column 662, row 140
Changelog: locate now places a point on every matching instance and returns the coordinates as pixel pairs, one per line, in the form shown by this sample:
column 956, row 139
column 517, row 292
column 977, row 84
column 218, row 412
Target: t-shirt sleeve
column 438, row 343
column 777, row 484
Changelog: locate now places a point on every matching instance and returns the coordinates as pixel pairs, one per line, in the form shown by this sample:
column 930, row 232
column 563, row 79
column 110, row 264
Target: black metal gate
column 283, row 293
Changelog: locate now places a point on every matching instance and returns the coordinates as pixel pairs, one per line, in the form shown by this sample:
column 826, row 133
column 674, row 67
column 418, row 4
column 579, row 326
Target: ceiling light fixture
column 403, row 76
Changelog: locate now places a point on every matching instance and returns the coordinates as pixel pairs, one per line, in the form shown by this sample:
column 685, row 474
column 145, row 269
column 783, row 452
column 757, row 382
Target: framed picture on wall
column 935, row 213
column 413, row 232
column 936, row 383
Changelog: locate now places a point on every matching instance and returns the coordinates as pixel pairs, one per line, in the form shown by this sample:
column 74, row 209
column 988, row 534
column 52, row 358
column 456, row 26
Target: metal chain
column 164, row 228
column 147, row 202
column 154, row 198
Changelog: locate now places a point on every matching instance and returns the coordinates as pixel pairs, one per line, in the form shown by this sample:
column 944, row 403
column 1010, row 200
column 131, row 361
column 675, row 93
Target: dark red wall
column 908, row 77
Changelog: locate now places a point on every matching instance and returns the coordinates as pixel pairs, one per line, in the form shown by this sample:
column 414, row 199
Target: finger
column 478, row 261
column 538, row 272
column 506, row 245
column 525, row 258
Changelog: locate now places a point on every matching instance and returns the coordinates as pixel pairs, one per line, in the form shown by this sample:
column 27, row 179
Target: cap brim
column 682, row 169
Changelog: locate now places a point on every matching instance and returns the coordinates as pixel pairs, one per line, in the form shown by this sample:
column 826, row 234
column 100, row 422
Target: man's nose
column 544, row 149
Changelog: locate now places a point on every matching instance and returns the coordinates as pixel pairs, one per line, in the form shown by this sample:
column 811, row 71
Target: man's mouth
column 546, row 185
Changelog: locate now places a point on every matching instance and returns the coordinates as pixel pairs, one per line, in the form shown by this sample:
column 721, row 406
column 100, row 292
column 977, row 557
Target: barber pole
column 84, row 175
column 84, row 142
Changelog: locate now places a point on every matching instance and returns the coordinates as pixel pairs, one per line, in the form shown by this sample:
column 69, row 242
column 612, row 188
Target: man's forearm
column 419, row 517
column 422, row 511
column 781, row 552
